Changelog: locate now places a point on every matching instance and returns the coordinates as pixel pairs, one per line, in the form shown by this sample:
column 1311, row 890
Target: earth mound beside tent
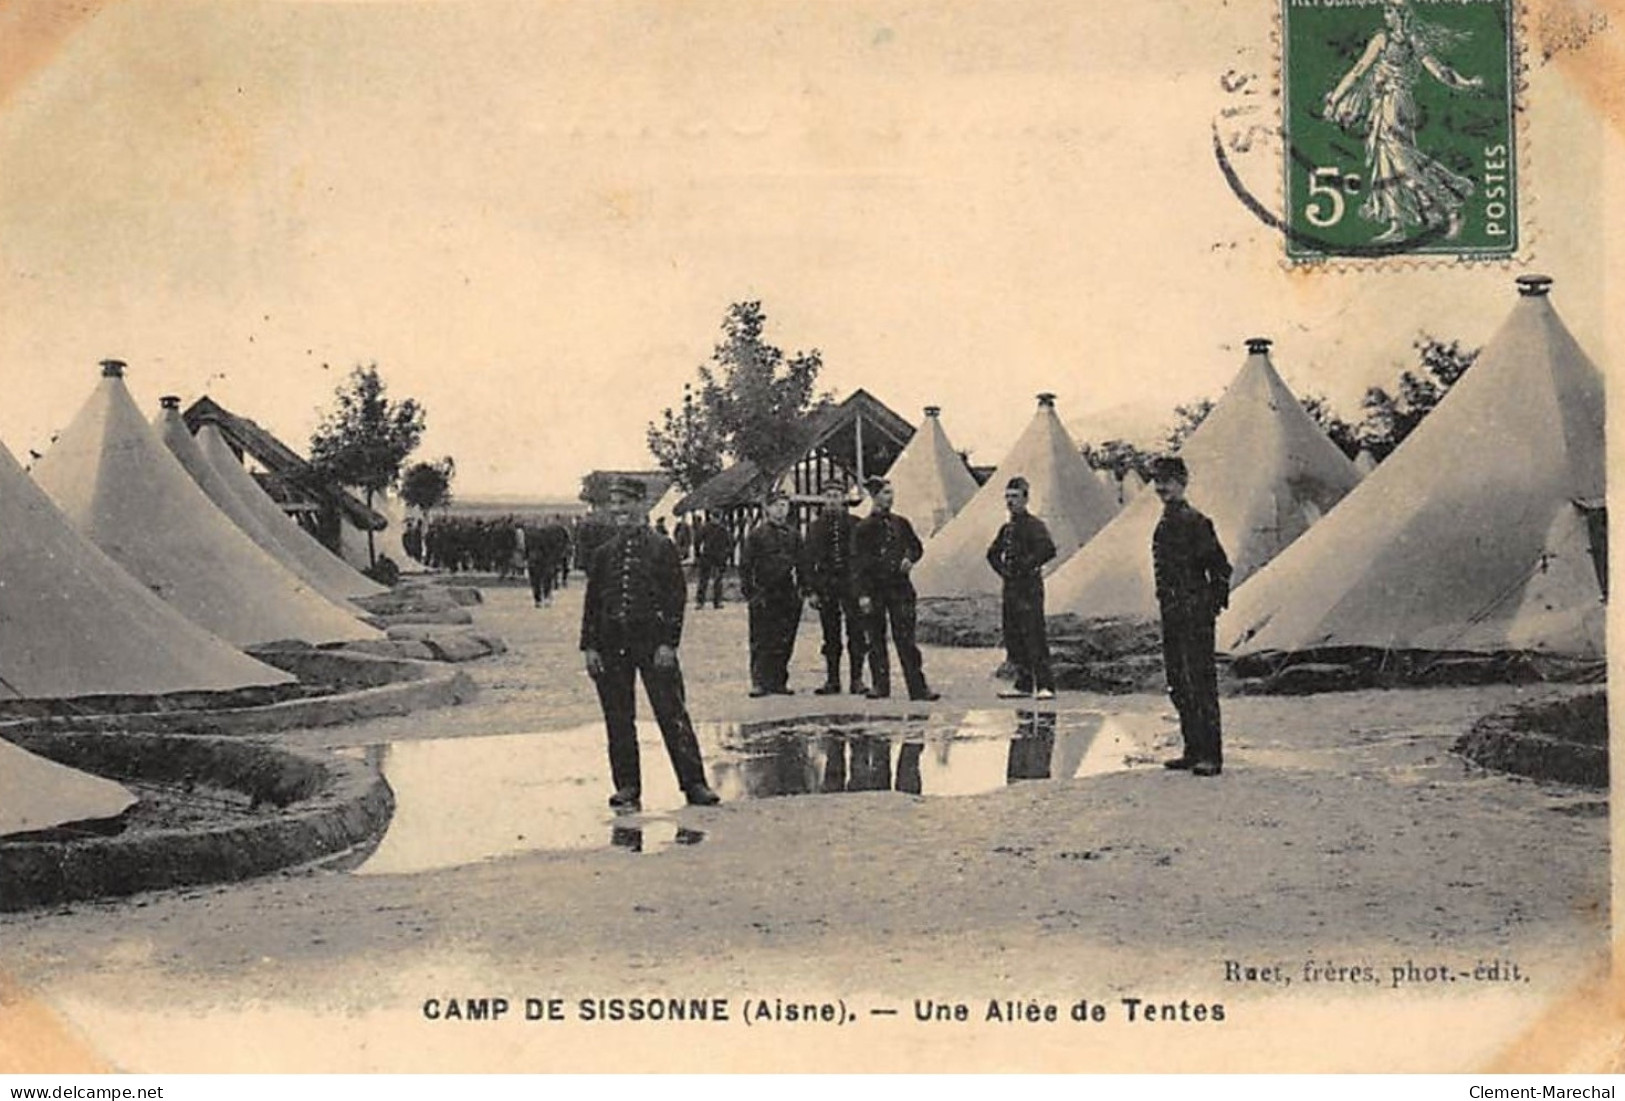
column 1563, row 740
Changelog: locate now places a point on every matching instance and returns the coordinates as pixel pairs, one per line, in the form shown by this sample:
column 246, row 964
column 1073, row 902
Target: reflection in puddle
column 465, row 800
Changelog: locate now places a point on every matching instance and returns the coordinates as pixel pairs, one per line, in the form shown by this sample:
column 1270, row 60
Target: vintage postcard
column 807, row 537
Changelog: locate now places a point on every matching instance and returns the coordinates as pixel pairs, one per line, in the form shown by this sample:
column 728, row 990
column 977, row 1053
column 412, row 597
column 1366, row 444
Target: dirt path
column 1342, row 835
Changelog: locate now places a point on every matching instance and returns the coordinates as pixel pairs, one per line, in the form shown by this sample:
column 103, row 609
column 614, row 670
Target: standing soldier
column 713, row 546
column 631, row 626
column 826, row 575
column 1018, row 555
column 683, row 536
column 884, row 549
column 1193, row 585
column 539, row 567
column 768, row 566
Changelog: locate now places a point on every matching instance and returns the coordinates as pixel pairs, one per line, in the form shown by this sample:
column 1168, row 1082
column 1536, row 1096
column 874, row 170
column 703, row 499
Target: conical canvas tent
column 929, row 479
column 666, row 508
column 1063, row 492
column 173, row 431
column 316, row 560
column 1262, row 471
column 37, row 794
column 1475, row 534
column 119, row 485
column 1130, row 487
column 74, row 624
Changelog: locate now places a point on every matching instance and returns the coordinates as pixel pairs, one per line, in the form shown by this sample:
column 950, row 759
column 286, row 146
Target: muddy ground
column 1344, row 856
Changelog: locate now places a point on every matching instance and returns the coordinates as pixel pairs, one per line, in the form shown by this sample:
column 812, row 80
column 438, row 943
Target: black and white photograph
column 541, row 536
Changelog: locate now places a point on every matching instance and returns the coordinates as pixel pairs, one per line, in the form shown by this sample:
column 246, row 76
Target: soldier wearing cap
column 1018, row 554
column 1193, row 585
column 826, row 575
column 631, row 626
column 769, row 563
column 884, row 549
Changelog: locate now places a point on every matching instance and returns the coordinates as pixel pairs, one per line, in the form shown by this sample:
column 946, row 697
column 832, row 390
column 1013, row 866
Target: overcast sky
column 532, row 216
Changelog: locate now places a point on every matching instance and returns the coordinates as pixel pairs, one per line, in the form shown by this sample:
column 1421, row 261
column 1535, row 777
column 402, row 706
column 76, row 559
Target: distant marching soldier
column 539, row 568
column 713, row 547
column 769, row 564
column 826, row 574
column 1193, row 585
column 631, row 626
column 1018, row 554
column 884, row 549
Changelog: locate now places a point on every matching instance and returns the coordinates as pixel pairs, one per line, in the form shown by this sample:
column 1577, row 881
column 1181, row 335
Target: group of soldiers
column 855, row 573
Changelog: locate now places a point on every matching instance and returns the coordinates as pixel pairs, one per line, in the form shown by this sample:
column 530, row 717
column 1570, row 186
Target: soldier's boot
column 832, row 678
column 857, row 687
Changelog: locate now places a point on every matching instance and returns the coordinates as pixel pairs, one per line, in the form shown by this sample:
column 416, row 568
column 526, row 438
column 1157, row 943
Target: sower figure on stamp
column 826, row 574
column 1193, row 585
column 769, row 564
column 1018, row 554
column 713, row 546
column 631, row 626
column 884, row 549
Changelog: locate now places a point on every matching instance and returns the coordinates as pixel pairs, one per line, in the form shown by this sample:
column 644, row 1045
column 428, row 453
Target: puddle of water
column 466, row 800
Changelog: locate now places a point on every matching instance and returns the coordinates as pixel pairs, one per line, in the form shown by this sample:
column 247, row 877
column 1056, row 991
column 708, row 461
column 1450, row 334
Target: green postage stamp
column 1399, row 127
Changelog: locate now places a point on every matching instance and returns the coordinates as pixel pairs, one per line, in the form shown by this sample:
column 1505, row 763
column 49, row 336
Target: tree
column 426, row 486
column 1342, row 433
column 1189, row 419
column 365, row 440
column 1119, row 457
column 752, row 401
column 1390, row 417
column 688, row 445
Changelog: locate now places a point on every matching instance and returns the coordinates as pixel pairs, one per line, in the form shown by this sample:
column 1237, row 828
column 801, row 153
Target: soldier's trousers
column 710, row 574
column 833, row 609
column 617, row 687
column 894, row 604
column 1193, row 682
column 541, row 573
column 774, row 618
column 1026, row 642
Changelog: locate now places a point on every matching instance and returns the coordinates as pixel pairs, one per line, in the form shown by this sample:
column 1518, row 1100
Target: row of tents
column 141, row 560
column 1485, row 531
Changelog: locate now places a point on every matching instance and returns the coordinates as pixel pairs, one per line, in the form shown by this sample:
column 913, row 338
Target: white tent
column 1262, row 471
column 74, row 624
column 666, row 508
column 1365, row 462
column 930, row 481
column 1063, row 493
column 1475, row 534
column 119, row 485
column 178, row 438
column 1130, row 487
column 315, row 559
column 37, row 794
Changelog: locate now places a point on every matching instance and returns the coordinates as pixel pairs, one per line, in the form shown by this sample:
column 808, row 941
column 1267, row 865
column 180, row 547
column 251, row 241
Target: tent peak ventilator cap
column 113, row 368
column 1259, row 345
column 1534, row 286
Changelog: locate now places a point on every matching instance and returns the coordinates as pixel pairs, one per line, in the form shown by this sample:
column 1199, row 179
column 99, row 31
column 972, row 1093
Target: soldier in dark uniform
column 826, row 574
column 769, row 564
column 539, row 565
column 884, row 549
column 1018, row 555
column 713, row 546
column 1193, row 585
column 683, row 536
column 631, row 625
